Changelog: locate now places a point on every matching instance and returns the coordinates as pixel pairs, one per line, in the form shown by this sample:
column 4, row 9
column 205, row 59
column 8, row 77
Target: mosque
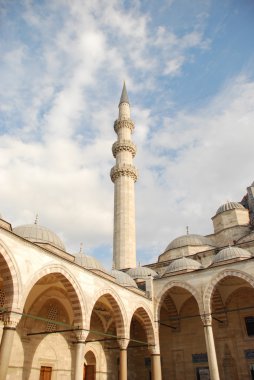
column 190, row 315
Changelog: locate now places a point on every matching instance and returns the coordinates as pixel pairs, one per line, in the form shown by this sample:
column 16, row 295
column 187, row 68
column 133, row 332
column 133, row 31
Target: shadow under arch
column 58, row 289
column 119, row 311
column 11, row 279
column 208, row 293
column 141, row 312
column 178, row 284
column 75, row 294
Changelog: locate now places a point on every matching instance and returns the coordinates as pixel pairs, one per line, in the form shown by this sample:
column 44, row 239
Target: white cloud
column 59, row 93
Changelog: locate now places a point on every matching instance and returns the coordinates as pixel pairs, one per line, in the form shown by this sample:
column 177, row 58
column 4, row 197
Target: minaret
column 124, row 175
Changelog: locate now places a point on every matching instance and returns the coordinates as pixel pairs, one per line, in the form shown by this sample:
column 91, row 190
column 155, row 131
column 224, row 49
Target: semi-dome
column 88, row 262
column 231, row 253
column 141, row 272
column 189, row 240
column 182, row 264
column 39, row 234
column 123, row 278
column 230, row 206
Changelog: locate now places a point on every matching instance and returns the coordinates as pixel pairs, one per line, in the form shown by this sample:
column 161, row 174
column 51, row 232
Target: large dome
column 183, row 264
column 141, row 272
column 230, row 206
column 189, row 240
column 231, row 253
column 39, row 234
column 88, row 262
column 123, row 278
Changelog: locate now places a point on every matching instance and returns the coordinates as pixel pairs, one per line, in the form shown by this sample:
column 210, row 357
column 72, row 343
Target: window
column 249, row 323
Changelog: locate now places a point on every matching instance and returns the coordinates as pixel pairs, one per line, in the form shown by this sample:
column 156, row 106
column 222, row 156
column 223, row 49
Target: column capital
column 123, row 343
column 81, row 336
column 154, row 350
column 206, row 319
column 11, row 320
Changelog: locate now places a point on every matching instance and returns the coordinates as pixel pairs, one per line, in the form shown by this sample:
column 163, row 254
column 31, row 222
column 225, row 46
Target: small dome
column 39, row 234
column 123, row 278
column 230, row 206
column 183, row 264
column 141, row 272
column 231, row 253
column 88, row 262
column 188, row 240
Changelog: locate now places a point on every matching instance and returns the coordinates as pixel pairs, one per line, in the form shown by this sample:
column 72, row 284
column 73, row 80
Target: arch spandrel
column 180, row 284
column 118, row 307
column 10, row 265
column 208, row 293
column 141, row 310
column 76, row 296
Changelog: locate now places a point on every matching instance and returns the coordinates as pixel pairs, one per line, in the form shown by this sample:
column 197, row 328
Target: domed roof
column 39, row 234
column 188, row 240
column 88, row 262
column 141, row 272
column 182, row 264
column 123, row 278
column 231, row 253
column 230, row 206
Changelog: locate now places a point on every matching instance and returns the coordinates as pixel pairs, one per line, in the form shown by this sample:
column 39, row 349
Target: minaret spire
column 124, row 97
column 124, row 175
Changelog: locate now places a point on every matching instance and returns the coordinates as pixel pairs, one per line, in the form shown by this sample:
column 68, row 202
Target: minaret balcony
column 124, row 145
column 124, row 170
column 128, row 123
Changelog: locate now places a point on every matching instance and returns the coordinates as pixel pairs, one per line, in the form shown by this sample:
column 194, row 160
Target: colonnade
column 11, row 322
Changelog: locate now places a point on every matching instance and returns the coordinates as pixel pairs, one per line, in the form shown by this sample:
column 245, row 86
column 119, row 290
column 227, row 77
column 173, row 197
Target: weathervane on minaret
column 124, row 175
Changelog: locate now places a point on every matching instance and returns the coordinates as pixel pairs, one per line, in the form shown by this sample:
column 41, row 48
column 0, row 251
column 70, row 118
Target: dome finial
column 124, row 96
column 81, row 248
column 36, row 219
column 187, row 230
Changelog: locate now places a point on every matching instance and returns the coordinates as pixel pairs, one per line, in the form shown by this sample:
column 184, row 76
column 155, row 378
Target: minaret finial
column 124, row 97
column 187, row 230
column 36, row 219
column 81, row 248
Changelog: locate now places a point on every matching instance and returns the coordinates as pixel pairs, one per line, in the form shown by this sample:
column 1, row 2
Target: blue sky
column 189, row 71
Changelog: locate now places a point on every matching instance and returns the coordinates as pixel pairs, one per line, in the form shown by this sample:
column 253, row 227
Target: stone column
column 210, row 347
column 10, row 323
column 156, row 362
column 123, row 343
column 79, row 354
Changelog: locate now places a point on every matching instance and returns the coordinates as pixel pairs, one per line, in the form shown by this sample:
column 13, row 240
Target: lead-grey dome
column 230, row 206
column 123, row 278
column 182, row 264
column 88, row 262
column 141, row 272
column 39, row 234
column 189, row 240
column 231, row 253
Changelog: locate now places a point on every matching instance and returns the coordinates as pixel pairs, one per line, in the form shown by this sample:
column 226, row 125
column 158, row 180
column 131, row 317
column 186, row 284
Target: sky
column 189, row 72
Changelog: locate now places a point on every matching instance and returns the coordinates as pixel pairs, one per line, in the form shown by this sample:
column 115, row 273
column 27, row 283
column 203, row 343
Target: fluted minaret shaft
column 124, row 175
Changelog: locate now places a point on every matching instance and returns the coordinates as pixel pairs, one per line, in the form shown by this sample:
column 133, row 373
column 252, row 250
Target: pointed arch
column 179, row 284
column 210, row 289
column 117, row 306
column 144, row 313
column 75, row 294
